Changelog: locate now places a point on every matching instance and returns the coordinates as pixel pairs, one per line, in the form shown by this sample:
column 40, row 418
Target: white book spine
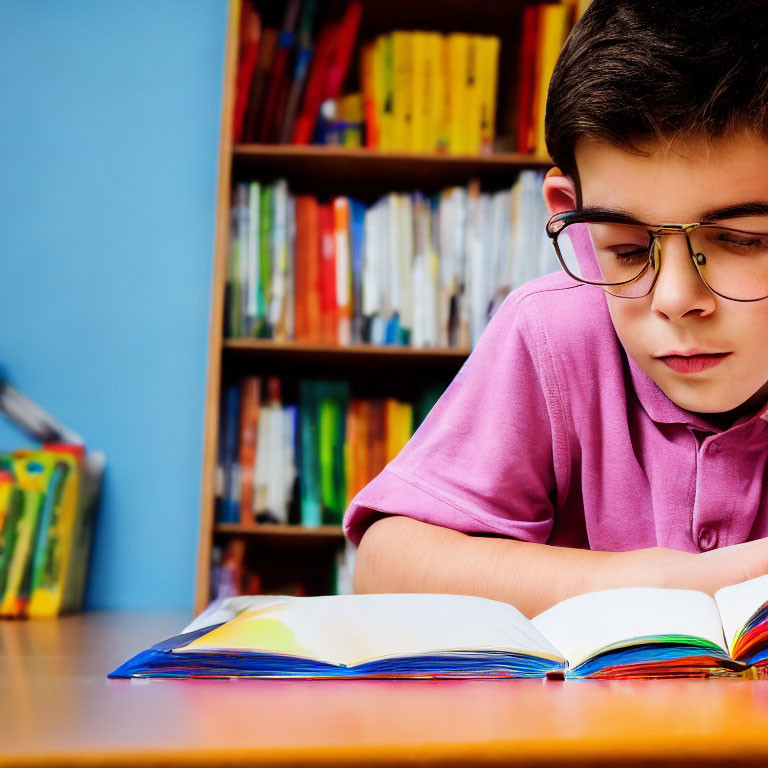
column 279, row 257
column 254, row 244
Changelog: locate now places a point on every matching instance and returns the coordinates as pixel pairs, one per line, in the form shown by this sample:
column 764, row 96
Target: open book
column 618, row 633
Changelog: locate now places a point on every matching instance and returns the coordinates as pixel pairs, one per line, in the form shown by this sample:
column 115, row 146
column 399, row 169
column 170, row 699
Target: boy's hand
column 730, row 565
column 705, row 571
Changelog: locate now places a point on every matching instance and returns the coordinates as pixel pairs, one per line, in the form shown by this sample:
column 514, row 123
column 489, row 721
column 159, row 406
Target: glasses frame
column 560, row 221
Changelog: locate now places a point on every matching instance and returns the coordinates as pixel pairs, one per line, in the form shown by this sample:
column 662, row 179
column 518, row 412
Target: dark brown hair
column 633, row 70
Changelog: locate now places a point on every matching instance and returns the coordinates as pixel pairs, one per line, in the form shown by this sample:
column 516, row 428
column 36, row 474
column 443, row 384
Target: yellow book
column 402, row 65
column 6, row 488
column 457, row 49
column 350, row 111
column 581, row 7
column 488, row 68
column 406, row 423
column 391, row 412
column 473, row 117
column 383, row 69
column 421, row 82
column 54, row 562
column 436, row 93
column 555, row 21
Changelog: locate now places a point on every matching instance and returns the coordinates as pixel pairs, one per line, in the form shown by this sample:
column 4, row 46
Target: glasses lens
column 733, row 263
column 615, row 256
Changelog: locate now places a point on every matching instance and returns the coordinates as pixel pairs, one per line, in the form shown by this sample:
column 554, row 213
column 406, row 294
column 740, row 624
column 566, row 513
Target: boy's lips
column 692, row 361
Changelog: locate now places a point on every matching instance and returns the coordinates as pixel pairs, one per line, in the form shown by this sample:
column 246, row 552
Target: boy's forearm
column 398, row 554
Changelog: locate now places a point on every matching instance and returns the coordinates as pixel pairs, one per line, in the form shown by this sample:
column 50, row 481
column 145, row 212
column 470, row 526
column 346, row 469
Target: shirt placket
column 712, row 509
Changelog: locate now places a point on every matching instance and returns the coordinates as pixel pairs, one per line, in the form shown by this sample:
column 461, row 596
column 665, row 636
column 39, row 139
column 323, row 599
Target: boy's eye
column 731, row 238
column 630, row 252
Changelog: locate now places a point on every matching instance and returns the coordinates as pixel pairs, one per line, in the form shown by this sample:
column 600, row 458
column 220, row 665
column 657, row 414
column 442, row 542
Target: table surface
column 57, row 708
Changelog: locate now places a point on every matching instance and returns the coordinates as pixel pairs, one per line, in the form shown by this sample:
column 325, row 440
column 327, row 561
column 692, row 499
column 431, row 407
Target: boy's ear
column 559, row 192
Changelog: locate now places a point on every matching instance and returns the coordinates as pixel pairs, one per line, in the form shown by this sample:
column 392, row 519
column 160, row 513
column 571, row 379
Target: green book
column 429, row 396
column 9, row 534
column 264, row 292
column 308, row 460
column 253, row 258
column 333, row 399
column 233, row 298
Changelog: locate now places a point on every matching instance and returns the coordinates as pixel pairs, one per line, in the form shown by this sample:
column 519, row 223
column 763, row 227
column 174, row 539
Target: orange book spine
column 343, row 259
column 328, row 319
column 308, row 290
column 377, row 431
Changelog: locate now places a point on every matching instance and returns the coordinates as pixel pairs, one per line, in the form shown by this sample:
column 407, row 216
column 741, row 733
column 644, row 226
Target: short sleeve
column 482, row 461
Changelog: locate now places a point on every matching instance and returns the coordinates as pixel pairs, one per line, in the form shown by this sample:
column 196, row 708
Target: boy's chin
column 714, row 404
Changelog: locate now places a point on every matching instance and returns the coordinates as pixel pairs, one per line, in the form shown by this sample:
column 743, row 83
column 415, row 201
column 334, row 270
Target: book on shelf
column 238, row 570
column 302, row 461
column 410, row 269
column 48, row 500
column 614, row 634
column 544, row 30
column 298, row 80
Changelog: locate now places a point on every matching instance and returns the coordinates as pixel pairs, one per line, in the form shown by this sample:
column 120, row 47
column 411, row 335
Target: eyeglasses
column 623, row 256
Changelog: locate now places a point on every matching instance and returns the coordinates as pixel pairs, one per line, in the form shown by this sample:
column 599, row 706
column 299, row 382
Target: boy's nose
column 679, row 289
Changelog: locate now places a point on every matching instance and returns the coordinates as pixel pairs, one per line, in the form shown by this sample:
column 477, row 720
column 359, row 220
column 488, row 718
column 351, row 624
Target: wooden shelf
column 288, row 348
column 366, row 174
column 322, row 533
column 294, row 358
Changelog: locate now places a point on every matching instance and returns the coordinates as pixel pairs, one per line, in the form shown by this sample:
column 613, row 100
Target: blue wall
column 109, row 129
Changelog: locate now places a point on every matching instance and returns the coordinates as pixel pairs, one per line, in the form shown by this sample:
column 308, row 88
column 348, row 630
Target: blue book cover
column 357, row 237
column 231, row 506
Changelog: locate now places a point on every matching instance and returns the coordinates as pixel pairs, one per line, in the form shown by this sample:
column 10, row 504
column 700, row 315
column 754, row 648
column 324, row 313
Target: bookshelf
column 361, row 173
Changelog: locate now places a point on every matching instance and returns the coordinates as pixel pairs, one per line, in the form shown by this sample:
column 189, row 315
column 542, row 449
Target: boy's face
column 683, row 183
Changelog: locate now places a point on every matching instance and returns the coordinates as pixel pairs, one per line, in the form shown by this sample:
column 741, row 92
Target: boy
column 610, row 428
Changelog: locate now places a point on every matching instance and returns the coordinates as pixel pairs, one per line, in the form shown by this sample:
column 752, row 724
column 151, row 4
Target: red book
column 279, row 79
column 307, row 270
column 250, row 399
column 367, row 52
column 526, row 140
column 257, row 96
column 250, row 33
column 342, row 51
column 328, row 312
column 304, row 128
column 78, row 451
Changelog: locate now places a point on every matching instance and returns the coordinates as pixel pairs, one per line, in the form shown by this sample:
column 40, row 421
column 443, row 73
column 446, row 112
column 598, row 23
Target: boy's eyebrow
column 752, row 208
column 737, row 210
column 590, row 210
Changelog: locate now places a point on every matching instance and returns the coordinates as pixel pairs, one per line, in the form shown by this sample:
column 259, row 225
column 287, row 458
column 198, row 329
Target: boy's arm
column 399, row 554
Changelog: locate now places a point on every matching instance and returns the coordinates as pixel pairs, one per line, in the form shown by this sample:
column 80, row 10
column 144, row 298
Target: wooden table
column 58, row 709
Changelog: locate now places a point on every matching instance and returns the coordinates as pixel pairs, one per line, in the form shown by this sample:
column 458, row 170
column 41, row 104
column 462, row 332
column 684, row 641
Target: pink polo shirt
column 549, row 434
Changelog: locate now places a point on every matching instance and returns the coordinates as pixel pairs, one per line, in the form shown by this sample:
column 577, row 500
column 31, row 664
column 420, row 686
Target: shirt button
column 707, row 538
column 715, row 449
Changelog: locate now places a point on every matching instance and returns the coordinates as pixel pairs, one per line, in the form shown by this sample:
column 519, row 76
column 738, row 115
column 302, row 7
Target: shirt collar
column 662, row 410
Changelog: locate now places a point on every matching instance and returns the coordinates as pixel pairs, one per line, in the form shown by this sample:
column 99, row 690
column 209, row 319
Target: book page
column 352, row 629
column 227, row 608
column 583, row 625
column 738, row 603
